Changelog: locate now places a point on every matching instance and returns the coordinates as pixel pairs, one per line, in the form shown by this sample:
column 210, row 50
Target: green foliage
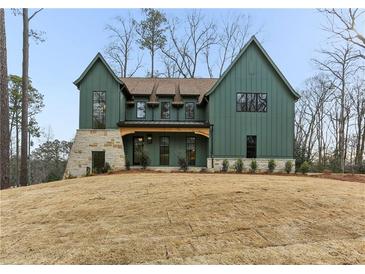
column 288, row 166
column 127, row 164
column 35, row 105
column 225, row 165
column 144, row 159
column 271, row 165
column 304, row 168
column 183, row 164
column 253, row 166
column 48, row 161
column 151, row 32
column 238, row 166
column 106, row 168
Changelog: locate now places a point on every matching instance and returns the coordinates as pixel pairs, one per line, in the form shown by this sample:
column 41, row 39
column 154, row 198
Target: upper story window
column 141, row 110
column 189, row 110
column 99, row 110
column 251, row 102
column 165, row 110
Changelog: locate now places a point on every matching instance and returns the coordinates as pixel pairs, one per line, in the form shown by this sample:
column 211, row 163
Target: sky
column 74, row 36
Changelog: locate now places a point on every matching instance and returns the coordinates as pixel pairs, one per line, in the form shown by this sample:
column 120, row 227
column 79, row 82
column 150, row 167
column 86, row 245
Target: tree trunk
column 17, row 150
column 4, row 113
column 152, row 62
column 24, row 128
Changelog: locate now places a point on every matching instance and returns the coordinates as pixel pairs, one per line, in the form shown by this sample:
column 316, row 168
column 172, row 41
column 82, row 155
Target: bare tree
column 120, row 48
column 340, row 63
column 346, row 25
column 185, row 50
column 25, row 82
column 4, row 105
column 357, row 102
column 232, row 39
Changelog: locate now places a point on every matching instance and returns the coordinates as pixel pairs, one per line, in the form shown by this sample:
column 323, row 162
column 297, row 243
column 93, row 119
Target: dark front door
column 137, row 149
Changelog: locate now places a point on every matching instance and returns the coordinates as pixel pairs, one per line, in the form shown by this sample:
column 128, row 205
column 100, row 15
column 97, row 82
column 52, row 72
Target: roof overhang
column 131, row 127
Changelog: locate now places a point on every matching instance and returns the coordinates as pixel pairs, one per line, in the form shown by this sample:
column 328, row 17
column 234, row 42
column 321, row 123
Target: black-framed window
column 165, row 110
column 164, row 150
column 251, row 146
column 98, row 161
column 251, row 102
column 190, row 151
column 99, row 110
column 189, row 110
column 141, row 110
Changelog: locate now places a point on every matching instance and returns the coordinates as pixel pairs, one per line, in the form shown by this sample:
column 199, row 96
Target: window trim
column 168, row 154
column 190, row 102
column 165, row 102
column 256, row 99
column 92, row 109
column 145, row 110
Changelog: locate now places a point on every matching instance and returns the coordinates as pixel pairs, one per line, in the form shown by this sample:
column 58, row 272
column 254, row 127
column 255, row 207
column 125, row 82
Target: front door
column 137, row 149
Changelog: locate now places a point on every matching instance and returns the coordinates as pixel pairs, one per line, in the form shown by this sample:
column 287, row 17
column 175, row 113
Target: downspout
column 211, row 145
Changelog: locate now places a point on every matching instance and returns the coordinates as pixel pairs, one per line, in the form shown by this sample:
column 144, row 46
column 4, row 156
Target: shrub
column 288, row 166
column 271, row 165
column 238, row 166
column 304, row 168
column 127, row 164
column 225, row 165
column 144, row 159
column 253, row 166
column 182, row 164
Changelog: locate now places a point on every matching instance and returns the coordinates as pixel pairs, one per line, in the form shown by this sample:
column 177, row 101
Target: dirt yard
column 152, row 218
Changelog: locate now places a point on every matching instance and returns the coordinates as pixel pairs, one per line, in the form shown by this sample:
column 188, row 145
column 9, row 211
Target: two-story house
column 247, row 113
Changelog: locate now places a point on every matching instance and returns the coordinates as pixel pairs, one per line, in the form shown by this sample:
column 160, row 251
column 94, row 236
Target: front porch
column 165, row 142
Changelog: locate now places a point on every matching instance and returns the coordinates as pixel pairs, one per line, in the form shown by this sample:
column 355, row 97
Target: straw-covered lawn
column 173, row 218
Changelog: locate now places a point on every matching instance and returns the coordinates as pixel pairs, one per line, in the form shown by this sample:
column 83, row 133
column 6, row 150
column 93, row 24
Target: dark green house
column 247, row 113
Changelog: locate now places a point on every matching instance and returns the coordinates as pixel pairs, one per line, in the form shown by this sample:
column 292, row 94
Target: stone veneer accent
column 261, row 164
column 88, row 140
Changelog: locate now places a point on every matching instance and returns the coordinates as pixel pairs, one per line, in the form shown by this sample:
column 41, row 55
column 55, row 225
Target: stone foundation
column 261, row 164
column 88, row 140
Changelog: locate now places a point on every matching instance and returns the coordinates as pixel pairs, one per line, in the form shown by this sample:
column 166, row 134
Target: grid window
column 251, row 102
column 98, row 161
column 99, row 110
column 190, row 151
column 164, row 151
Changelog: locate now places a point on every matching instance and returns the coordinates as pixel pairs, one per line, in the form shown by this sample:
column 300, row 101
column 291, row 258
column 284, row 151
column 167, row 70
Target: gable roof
column 96, row 58
column 243, row 50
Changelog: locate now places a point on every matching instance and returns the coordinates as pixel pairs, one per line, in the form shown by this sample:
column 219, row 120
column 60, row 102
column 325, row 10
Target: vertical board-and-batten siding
column 274, row 129
column 99, row 79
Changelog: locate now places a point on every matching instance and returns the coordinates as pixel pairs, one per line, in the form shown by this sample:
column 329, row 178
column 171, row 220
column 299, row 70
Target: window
column 262, row 102
column 251, row 146
column 98, row 161
column 137, row 150
column 189, row 110
column 251, row 102
column 141, row 110
column 164, row 151
column 99, row 109
column 190, row 151
column 165, row 110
